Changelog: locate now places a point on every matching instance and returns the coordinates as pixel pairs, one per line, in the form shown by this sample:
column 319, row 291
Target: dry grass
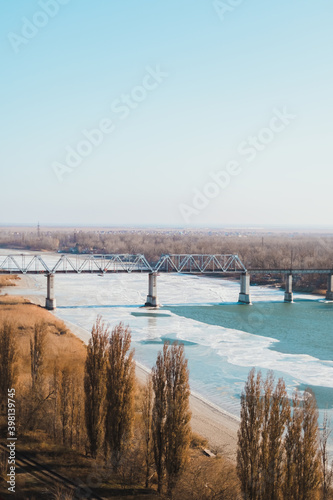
column 208, row 479
column 62, row 346
column 198, row 441
column 8, row 280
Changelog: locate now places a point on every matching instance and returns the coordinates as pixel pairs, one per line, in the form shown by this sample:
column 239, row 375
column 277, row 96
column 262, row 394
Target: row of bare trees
column 109, row 410
column 280, row 454
column 256, row 250
column 59, row 404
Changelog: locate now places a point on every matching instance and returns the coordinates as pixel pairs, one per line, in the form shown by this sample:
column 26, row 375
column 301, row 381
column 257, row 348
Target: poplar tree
column 160, row 412
column 264, row 466
column 178, row 414
column 249, row 437
column 95, row 384
column 293, row 451
column 120, row 393
column 147, row 423
column 311, row 473
column 171, row 414
column 276, row 410
column 327, row 469
column 302, row 462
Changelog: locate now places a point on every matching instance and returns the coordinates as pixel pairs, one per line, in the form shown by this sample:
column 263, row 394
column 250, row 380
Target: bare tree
column 147, row 421
column 95, row 384
column 160, row 413
column 37, row 351
column 311, row 470
column 293, row 451
column 278, row 413
column 265, row 410
column 327, row 469
column 264, row 460
column 302, row 464
column 55, row 410
column 178, row 414
column 249, row 437
column 64, row 397
column 120, row 391
column 171, row 415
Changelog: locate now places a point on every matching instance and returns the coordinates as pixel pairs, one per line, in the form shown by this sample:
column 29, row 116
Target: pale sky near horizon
column 211, row 113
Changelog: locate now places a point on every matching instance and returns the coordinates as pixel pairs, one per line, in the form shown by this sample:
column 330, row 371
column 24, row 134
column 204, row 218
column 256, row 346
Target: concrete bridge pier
column 152, row 300
column 329, row 293
column 288, row 294
column 244, row 295
column 50, row 302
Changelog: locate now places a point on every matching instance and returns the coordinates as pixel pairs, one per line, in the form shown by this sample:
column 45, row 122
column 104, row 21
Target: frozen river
column 223, row 339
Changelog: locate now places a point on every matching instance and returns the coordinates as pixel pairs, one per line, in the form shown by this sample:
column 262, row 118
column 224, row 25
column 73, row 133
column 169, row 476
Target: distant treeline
column 256, row 250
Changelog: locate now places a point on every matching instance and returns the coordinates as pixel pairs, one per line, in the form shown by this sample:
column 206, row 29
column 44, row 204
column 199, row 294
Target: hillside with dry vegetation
column 52, row 425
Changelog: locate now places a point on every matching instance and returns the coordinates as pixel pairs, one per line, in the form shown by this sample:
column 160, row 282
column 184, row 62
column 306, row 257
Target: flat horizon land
column 223, row 228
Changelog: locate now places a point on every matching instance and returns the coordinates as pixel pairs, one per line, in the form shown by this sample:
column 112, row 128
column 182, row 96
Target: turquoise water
column 302, row 332
column 304, row 327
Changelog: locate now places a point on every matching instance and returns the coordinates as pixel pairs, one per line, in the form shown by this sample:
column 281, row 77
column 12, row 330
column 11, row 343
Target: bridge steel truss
column 200, row 263
column 36, row 264
column 175, row 263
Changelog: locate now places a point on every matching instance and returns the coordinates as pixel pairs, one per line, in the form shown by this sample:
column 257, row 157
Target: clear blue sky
column 224, row 77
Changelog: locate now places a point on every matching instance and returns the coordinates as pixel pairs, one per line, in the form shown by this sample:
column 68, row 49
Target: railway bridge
column 204, row 264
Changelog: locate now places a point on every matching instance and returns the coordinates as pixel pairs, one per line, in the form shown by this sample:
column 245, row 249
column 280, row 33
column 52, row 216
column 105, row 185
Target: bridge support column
column 152, row 291
column 288, row 294
column 244, row 295
column 50, row 302
column 329, row 293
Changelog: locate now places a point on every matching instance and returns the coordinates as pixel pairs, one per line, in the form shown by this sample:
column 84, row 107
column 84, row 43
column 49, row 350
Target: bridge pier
column 288, row 294
column 152, row 300
column 329, row 293
column 244, row 295
column 50, row 303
